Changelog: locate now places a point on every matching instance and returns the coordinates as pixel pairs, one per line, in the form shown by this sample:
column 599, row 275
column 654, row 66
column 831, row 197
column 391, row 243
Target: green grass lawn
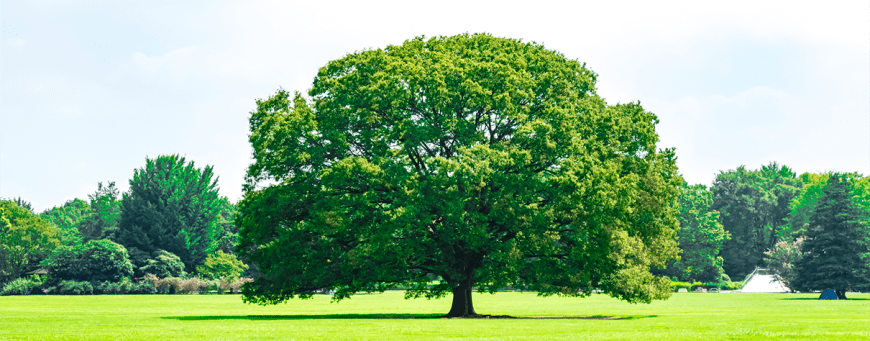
column 688, row 316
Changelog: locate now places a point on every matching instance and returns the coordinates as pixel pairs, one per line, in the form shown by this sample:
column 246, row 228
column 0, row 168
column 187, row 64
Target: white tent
column 762, row 280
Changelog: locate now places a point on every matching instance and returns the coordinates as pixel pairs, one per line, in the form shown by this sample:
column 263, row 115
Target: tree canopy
column 67, row 219
column 456, row 163
column 172, row 206
column 25, row 240
column 754, row 206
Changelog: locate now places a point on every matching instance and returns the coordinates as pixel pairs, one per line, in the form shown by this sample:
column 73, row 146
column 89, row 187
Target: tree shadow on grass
column 390, row 316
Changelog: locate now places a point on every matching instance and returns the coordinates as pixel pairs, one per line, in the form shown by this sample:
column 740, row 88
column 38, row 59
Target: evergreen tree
column 835, row 243
column 171, row 206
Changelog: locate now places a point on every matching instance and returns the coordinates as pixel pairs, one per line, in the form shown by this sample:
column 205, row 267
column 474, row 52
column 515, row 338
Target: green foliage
column 485, row 161
column 23, row 204
column 172, row 206
column 67, row 218
column 164, row 264
column 691, row 286
column 228, row 232
column 21, row 286
column 701, row 236
column 753, row 207
column 782, row 259
column 835, row 248
column 66, row 287
column 113, row 288
column 222, row 266
column 102, row 223
column 803, row 205
column 25, row 240
column 96, row 260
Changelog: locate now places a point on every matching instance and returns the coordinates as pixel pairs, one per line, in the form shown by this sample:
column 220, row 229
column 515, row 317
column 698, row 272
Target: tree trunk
column 462, row 306
column 841, row 294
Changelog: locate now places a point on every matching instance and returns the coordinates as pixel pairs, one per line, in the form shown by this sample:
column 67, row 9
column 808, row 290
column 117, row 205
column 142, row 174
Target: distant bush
column 163, row 264
column 691, row 286
column 191, row 285
column 71, row 288
column 143, row 288
column 236, row 286
column 20, row 286
column 113, row 288
column 97, row 260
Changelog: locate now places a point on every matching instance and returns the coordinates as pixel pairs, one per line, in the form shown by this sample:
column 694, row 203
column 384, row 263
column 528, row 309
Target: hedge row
column 690, row 286
column 149, row 285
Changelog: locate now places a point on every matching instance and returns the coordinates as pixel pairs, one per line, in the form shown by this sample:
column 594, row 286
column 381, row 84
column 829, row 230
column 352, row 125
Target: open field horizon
column 387, row 316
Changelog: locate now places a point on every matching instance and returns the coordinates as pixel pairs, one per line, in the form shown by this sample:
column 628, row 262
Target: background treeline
column 762, row 217
column 170, row 233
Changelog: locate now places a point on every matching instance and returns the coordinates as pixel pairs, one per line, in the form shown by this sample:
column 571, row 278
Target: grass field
column 688, row 316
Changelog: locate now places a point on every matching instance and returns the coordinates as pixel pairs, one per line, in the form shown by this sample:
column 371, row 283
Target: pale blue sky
column 88, row 89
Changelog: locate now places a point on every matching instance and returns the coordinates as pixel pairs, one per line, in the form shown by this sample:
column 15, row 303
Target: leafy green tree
column 95, row 261
column 476, row 161
column 102, row 223
column 172, row 206
column 221, row 266
column 835, row 249
column 67, row 218
column 228, row 232
column 25, row 240
column 782, row 259
column 753, row 207
column 701, row 237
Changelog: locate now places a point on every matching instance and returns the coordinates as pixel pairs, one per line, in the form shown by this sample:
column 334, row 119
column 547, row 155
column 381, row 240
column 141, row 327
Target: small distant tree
column 782, row 259
column 835, row 246
column 222, row 266
column 25, row 239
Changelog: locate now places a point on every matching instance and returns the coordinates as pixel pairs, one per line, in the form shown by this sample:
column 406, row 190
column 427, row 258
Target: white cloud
column 175, row 64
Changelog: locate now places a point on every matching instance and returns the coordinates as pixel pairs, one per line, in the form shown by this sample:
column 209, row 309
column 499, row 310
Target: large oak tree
column 451, row 164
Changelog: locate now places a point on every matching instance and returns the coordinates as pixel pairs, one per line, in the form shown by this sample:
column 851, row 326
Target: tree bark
column 841, row 294
column 462, row 305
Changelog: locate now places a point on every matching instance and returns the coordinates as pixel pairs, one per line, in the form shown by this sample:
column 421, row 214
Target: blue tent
column 828, row 294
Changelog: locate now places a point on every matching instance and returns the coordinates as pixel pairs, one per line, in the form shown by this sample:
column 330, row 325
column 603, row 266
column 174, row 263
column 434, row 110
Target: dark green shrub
column 163, row 264
column 113, row 288
column 143, row 288
column 97, row 260
column 71, row 288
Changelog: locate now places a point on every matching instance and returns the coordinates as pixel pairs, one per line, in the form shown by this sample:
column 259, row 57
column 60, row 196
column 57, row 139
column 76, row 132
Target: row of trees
column 770, row 217
column 170, row 223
